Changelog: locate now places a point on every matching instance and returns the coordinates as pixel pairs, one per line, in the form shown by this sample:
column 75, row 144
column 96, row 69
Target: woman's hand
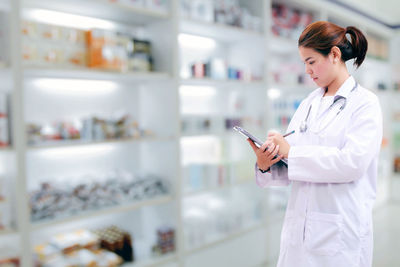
column 279, row 140
column 265, row 157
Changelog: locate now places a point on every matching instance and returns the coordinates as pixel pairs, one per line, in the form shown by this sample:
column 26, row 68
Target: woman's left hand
column 278, row 139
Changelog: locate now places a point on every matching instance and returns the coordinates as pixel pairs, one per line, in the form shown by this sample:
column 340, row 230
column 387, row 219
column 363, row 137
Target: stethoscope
column 304, row 126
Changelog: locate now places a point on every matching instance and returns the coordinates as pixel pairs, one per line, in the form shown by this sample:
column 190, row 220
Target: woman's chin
column 319, row 83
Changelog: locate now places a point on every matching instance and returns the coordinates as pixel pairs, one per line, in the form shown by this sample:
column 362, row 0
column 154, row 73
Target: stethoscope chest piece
column 303, row 126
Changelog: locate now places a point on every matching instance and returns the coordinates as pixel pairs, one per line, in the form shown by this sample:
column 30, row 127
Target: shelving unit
column 106, row 211
column 221, row 83
column 103, row 9
column 7, row 232
column 158, row 102
column 77, row 143
column 132, row 86
column 234, row 235
column 217, row 188
column 160, row 261
column 218, row 31
column 84, row 73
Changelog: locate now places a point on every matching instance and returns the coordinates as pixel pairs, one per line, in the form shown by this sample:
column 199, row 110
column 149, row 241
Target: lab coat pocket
column 323, row 233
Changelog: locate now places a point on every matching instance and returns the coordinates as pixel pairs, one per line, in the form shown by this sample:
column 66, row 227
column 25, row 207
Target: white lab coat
column 333, row 175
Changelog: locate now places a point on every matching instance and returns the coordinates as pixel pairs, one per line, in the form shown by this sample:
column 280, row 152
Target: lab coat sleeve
column 277, row 176
column 324, row 164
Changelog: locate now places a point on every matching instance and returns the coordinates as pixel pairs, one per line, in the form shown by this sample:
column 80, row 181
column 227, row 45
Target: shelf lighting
column 215, row 203
column 196, row 42
column 78, row 151
column 197, row 91
column 274, row 93
column 75, row 86
column 204, row 149
column 68, row 20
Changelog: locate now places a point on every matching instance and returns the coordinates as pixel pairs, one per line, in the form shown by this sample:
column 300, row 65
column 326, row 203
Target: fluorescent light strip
column 79, row 151
column 196, row 42
column 75, row 86
column 197, row 91
column 68, row 20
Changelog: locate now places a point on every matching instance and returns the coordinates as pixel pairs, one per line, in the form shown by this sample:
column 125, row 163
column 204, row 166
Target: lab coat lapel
column 320, row 122
column 315, row 103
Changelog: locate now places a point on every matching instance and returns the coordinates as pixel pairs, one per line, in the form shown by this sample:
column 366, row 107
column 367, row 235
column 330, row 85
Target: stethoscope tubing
column 303, row 125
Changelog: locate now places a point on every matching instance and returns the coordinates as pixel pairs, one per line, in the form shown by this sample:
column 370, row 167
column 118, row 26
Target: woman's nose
column 308, row 70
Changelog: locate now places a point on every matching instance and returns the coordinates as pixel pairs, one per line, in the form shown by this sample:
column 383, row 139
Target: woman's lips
column 314, row 79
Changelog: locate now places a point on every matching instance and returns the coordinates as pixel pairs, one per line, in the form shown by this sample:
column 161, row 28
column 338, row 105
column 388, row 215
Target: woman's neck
column 334, row 86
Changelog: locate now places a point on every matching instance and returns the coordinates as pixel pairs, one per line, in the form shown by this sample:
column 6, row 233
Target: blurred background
column 116, row 116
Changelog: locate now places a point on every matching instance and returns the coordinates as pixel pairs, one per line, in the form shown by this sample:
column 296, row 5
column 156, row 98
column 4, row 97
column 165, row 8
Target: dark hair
column 323, row 35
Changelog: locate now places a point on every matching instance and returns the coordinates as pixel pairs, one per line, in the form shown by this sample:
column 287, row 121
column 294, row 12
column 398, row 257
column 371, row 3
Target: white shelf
column 101, row 9
column 227, row 238
column 220, row 134
column 282, row 45
column 91, row 74
column 76, row 143
column 221, row 83
column 218, row 188
column 294, row 87
column 106, row 211
column 220, row 32
column 7, row 232
column 153, row 262
column 6, row 149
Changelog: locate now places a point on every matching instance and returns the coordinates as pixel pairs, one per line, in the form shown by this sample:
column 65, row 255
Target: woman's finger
column 255, row 148
column 274, row 152
column 271, row 148
column 276, row 160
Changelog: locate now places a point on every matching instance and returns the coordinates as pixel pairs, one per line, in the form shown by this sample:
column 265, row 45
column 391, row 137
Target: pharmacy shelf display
column 96, row 79
column 8, row 219
column 122, row 127
column 222, row 84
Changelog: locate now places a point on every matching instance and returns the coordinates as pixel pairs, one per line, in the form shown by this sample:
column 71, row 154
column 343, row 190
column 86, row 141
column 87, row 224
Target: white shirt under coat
column 332, row 169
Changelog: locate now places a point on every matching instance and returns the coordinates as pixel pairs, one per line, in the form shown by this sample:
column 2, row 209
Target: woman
column 332, row 157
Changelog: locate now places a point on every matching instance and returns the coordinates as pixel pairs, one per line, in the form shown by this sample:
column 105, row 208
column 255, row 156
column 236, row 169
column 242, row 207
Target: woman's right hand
column 265, row 157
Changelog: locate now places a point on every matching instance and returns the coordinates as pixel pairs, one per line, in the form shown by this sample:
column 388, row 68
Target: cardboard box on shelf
column 107, row 50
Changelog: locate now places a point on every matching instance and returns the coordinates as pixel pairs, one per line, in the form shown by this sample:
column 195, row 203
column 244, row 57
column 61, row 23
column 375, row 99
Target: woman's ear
column 336, row 54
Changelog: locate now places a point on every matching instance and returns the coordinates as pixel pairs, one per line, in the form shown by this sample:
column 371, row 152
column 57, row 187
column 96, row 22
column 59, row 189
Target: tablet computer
column 255, row 140
column 246, row 134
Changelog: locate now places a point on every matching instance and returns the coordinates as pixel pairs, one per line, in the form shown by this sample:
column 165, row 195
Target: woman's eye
column 312, row 62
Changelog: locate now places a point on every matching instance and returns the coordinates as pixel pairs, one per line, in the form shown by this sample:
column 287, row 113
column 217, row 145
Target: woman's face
column 320, row 68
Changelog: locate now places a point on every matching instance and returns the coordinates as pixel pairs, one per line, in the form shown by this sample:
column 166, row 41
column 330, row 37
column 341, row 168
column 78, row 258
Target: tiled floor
column 387, row 236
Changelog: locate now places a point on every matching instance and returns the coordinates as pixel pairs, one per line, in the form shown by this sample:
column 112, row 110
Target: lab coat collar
column 343, row 92
column 346, row 88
